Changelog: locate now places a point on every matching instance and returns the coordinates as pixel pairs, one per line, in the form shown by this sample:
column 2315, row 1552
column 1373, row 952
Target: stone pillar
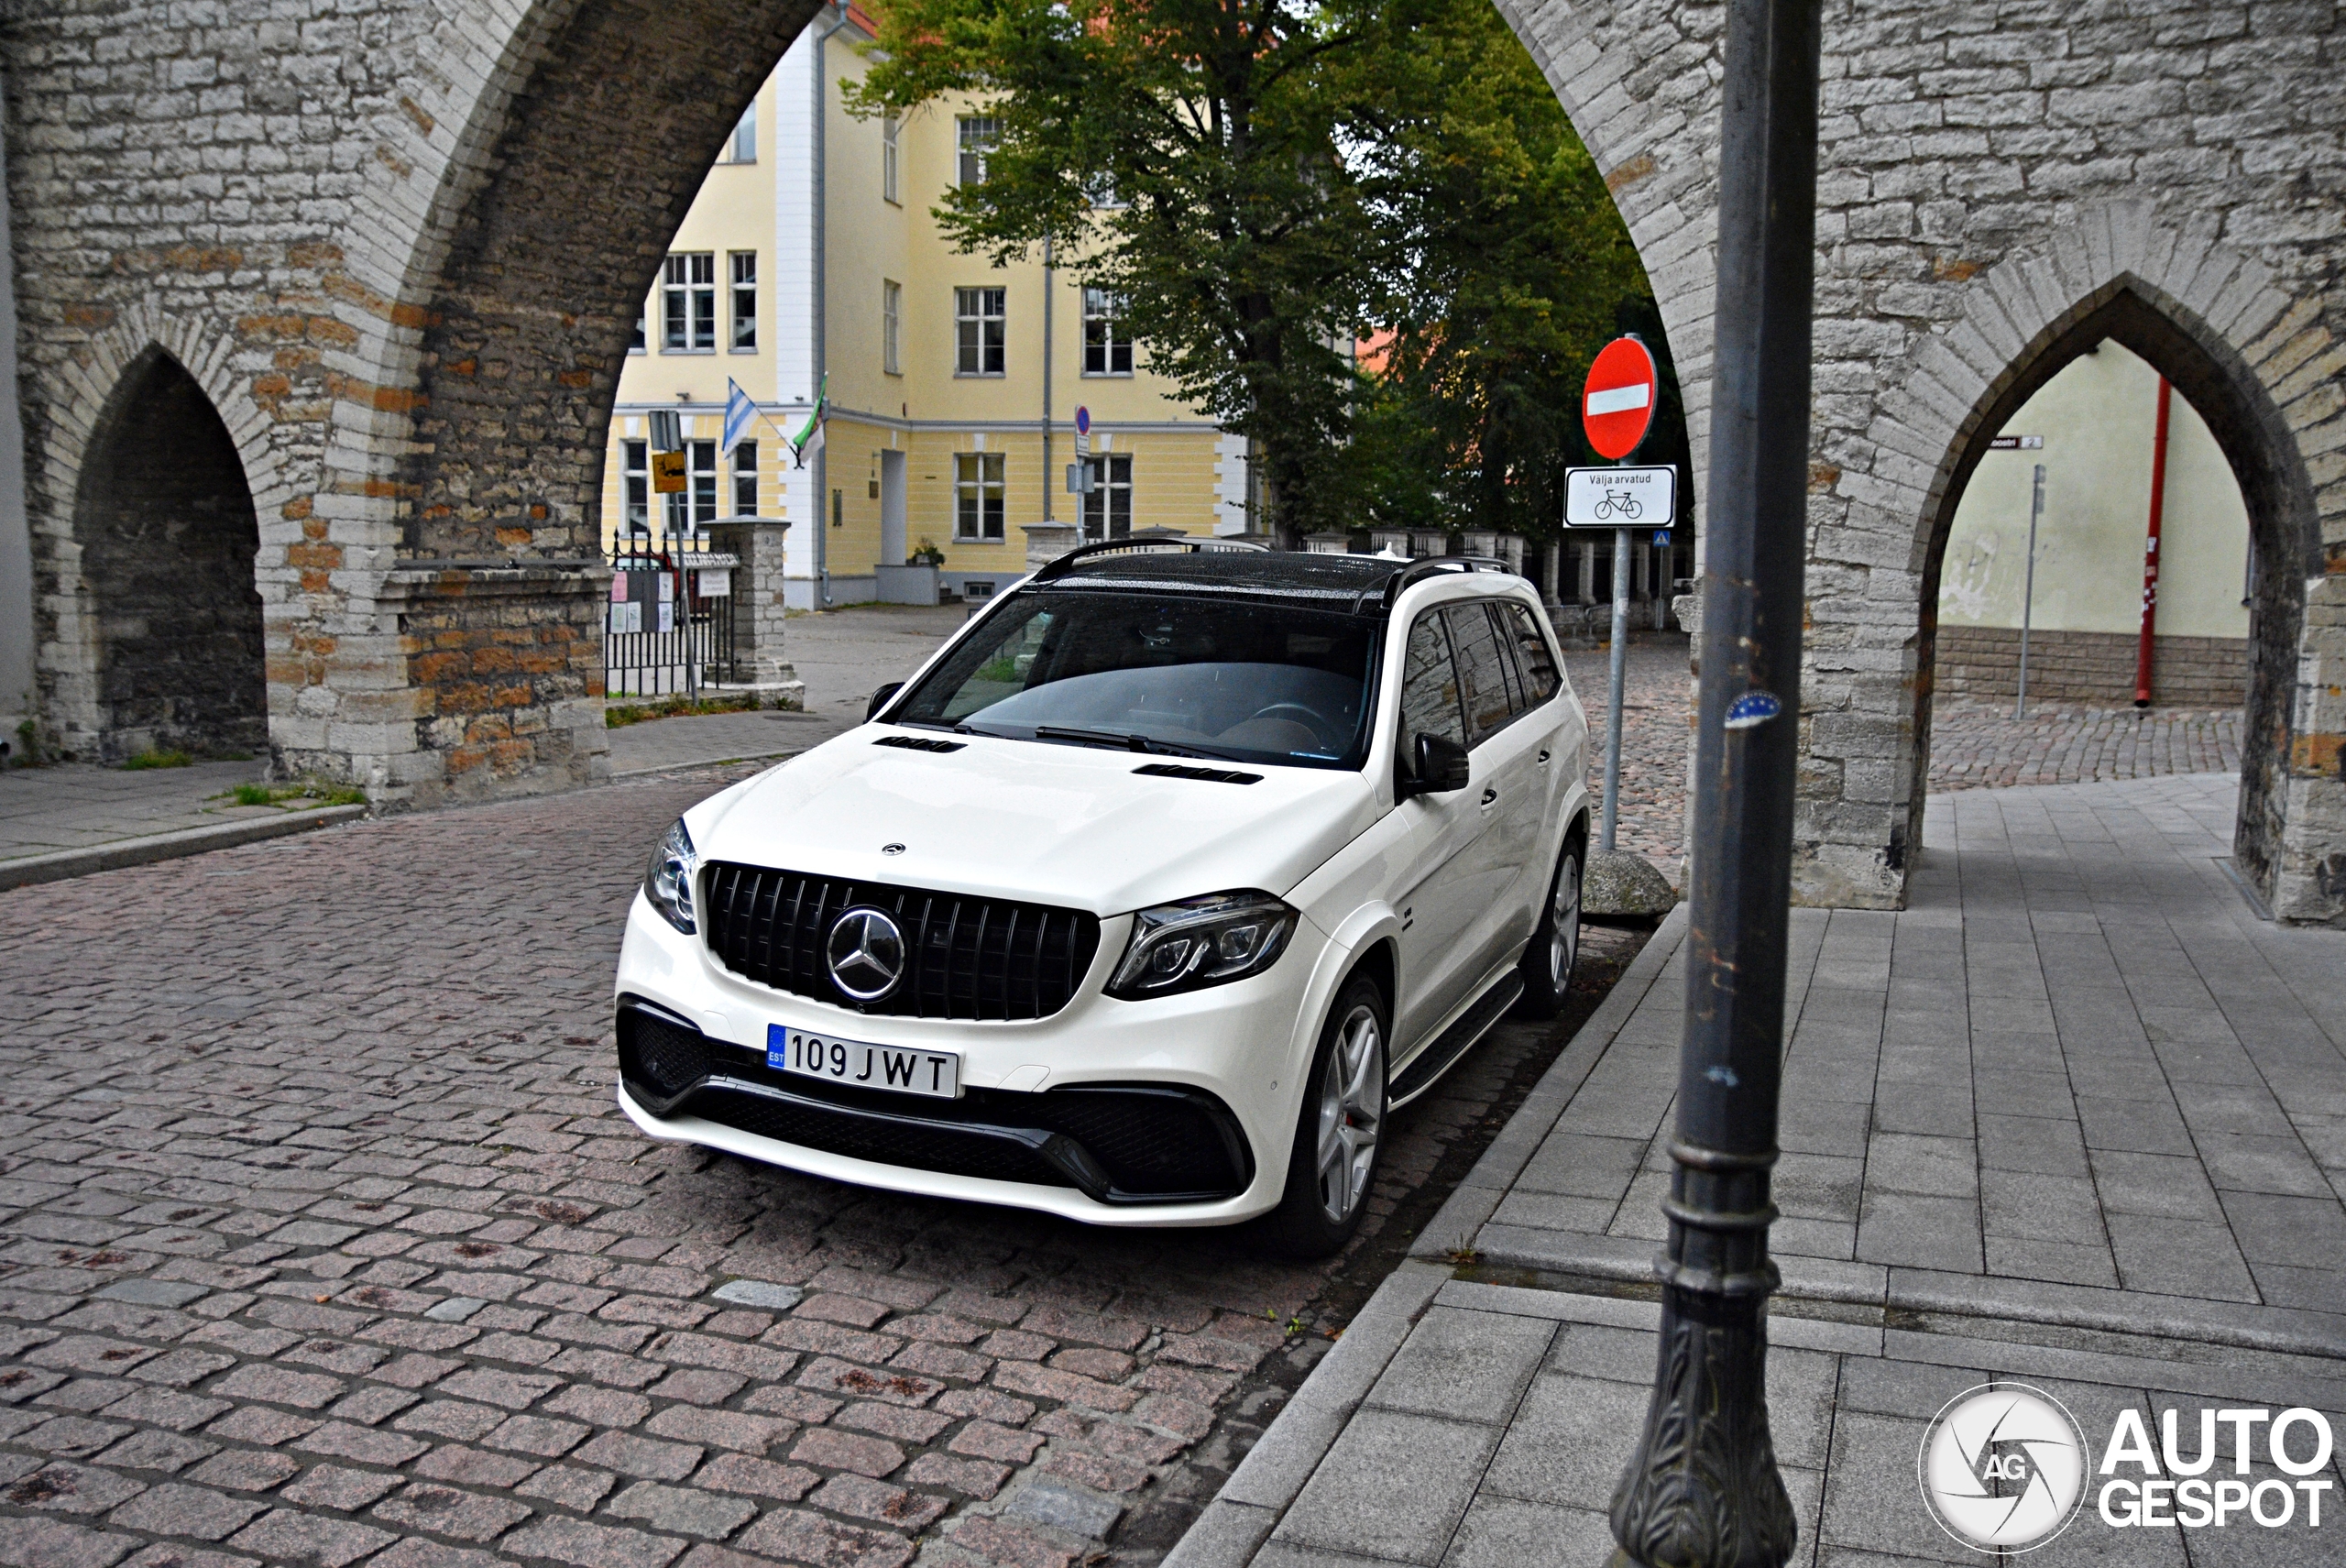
column 1046, row 541
column 1585, row 572
column 760, row 662
column 1551, row 582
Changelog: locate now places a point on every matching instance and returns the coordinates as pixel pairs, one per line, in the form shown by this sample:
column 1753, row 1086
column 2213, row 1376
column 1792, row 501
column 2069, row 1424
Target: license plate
column 935, row 1073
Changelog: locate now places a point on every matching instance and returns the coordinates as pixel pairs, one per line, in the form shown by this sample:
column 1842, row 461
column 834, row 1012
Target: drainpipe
column 1048, row 291
column 822, row 452
column 2151, row 548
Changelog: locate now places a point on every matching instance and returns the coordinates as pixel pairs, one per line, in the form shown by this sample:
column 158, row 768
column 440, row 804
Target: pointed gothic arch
column 166, row 536
column 2285, row 525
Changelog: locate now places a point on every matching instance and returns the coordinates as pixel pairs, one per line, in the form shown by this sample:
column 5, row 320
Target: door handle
column 1489, row 795
column 1543, row 758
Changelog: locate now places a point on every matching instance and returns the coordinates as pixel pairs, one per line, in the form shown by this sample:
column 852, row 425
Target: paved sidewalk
column 2077, row 1117
column 70, row 818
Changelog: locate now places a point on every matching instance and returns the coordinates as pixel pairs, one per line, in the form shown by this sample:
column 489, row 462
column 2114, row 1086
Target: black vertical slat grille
column 965, row 958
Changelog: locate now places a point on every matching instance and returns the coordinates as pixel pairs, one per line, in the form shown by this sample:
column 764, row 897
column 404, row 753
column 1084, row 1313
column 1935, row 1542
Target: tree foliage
column 1259, row 180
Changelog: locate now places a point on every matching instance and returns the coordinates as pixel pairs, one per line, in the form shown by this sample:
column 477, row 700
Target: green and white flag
column 809, row 439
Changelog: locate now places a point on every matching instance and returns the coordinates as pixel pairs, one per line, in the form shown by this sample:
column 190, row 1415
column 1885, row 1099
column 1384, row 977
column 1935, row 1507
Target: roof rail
column 1435, row 565
column 1194, row 545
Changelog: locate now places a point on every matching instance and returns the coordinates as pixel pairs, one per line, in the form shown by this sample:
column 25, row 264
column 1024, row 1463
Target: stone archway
column 2284, row 528
column 166, row 535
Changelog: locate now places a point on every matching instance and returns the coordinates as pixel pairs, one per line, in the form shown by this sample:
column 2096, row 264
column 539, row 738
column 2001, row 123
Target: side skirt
column 1427, row 1066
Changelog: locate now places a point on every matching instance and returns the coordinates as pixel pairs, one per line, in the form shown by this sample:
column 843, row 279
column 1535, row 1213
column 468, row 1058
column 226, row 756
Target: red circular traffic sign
column 1616, row 406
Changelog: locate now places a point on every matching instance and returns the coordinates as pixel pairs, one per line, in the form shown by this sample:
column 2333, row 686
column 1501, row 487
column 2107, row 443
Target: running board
column 1430, row 1064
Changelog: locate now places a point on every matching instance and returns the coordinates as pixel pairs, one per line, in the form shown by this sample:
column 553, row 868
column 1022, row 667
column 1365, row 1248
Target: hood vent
column 1203, row 775
column 918, row 743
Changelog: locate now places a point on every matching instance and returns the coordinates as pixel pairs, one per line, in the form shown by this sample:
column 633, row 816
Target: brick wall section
column 2093, row 667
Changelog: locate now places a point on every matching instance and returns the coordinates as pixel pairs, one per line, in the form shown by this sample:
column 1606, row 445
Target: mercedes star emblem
column 867, row 954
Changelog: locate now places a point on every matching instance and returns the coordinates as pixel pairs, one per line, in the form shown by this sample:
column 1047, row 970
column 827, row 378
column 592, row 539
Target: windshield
column 1175, row 673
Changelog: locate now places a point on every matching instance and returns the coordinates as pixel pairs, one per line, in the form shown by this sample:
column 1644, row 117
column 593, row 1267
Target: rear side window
column 1429, row 690
column 1482, row 670
column 1533, row 660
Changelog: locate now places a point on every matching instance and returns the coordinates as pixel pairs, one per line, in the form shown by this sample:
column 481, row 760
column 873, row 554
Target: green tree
column 1203, row 159
column 1523, row 270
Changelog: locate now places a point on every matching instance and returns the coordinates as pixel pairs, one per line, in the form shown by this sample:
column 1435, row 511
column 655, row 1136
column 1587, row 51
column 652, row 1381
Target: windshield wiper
column 1129, row 742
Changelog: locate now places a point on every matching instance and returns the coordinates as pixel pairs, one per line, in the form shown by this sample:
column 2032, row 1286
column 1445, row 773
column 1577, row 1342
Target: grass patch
column 620, row 715
column 145, row 760
column 302, row 793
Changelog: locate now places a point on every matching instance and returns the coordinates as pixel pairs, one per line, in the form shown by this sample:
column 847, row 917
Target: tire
column 1339, row 1132
column 1554, row 952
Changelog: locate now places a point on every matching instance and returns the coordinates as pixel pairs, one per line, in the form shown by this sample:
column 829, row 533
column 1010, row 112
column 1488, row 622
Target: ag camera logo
column 2003, row 1467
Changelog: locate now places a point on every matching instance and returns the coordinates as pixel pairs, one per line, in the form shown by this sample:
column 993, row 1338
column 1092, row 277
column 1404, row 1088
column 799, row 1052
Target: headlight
column 1200, row 942
column 668, row 880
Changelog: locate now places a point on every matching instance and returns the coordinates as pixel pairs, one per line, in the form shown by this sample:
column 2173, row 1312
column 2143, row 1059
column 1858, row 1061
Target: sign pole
column 1703, row 1490
column 1616, row 684
column 2028, row 590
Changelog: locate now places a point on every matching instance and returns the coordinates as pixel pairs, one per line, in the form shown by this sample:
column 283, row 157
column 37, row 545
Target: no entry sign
column 1616, row 406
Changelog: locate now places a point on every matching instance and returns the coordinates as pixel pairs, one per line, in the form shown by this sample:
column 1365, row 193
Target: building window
column 745, row 479
column 1108, row 509
column 745, row 300
column 978, row 512
column 743, row 148
column 977, row 330
column 889, row 126
column 1107, row 345
column 892, row 319
column 688, row 303
column 978, row 134
column 635, row 475
column 635, row 343
column 700, row 478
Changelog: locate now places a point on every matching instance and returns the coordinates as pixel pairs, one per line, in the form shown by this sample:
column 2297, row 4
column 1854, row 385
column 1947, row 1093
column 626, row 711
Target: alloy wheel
column 1563, row 920
column 1352, row 1114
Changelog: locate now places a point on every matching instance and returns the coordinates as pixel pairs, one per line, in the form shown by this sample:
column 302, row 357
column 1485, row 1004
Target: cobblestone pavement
column 321, row 1241
column 1657, row 691
column 1976, row 745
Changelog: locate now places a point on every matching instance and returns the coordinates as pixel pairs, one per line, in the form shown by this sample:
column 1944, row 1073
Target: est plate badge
column 933, row 1073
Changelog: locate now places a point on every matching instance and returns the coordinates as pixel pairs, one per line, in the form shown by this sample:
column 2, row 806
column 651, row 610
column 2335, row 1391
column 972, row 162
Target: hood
column 1072, row 825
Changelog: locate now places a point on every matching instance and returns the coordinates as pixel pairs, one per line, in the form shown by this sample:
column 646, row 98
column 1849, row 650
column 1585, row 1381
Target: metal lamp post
column 1702, row 1490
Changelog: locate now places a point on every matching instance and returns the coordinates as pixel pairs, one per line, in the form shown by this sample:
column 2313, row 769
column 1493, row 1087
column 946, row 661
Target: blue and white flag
column 738, row 412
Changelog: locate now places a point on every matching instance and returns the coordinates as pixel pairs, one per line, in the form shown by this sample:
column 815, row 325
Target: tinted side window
column 1429, row 690
column 1532, row 657
column 1482, row 669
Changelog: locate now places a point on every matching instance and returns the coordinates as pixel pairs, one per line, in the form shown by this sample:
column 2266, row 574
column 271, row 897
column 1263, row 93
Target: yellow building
column 954, row 385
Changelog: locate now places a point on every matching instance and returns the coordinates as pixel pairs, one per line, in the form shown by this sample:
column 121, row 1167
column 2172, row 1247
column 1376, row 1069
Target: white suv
column 1144, row 903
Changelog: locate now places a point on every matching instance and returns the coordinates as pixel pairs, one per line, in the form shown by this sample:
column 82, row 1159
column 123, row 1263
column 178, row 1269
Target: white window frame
column 974, row 138
column 889, row 127
column 688, row 303
column 1105, row 353
column 742, row 269
column 700, row 482
column 742, row 146
column 635, row 486
column 1109, row 499
column 980, row 513
column 892, row 326
column 980, row 331
column 745, row 479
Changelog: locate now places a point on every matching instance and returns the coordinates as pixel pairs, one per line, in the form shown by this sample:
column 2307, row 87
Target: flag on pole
column 809, row 439
column 738, row 412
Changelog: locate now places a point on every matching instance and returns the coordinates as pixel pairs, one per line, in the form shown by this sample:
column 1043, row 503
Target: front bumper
column 1175, row 1112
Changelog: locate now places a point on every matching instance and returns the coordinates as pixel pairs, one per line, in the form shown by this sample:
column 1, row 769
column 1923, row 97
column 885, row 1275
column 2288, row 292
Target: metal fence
column 670, row 628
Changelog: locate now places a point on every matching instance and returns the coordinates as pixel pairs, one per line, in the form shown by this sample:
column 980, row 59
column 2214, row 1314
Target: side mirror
column 880, row 699
column 1442, row 766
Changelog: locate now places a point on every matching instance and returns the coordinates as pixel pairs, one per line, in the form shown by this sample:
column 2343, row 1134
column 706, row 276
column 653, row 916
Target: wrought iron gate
column 670, row 628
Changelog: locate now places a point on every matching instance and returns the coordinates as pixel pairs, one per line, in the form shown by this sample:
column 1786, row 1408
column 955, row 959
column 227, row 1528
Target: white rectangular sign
column 1621, row 498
